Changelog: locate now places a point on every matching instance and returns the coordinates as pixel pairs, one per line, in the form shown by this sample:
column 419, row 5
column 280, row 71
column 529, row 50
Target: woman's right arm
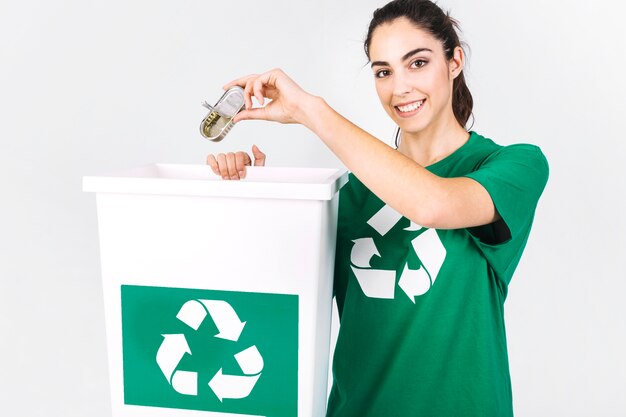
column 406, row 186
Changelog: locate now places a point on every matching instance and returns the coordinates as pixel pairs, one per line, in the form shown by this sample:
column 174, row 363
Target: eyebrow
column 404, row 58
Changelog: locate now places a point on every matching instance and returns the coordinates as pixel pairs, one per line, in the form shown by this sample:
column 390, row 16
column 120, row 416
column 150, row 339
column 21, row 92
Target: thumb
column 259, row 157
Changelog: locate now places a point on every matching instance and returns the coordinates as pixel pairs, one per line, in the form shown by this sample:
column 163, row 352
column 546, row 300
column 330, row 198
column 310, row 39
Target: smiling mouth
column 407, row 108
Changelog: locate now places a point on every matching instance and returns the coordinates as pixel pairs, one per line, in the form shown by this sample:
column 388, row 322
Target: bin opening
column 199, row 180
column 257, row 174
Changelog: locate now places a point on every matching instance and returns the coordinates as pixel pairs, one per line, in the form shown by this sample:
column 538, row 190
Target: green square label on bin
column 222, row 351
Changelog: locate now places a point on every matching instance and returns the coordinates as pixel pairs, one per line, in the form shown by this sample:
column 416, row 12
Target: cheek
column 441, row 83
column 384, row 95
column 381, row 91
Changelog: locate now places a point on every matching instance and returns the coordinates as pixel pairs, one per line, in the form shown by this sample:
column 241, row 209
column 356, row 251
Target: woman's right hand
column 287, row 100
column 231, row 166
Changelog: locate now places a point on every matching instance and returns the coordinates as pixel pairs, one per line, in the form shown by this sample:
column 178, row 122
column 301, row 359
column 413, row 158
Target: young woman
column 429, row 232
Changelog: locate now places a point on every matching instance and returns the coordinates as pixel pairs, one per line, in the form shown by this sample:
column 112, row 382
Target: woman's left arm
column 416, row 193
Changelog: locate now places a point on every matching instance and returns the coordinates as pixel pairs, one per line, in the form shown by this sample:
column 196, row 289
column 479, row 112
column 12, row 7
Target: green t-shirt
column 422, row 323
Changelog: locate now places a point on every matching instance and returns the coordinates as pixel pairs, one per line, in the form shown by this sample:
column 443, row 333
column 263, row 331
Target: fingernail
column 241, row 174
column 234, row 177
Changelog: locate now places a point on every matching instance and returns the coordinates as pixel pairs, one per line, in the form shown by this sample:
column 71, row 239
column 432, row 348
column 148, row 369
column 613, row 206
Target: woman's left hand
column 231, row 166
column 288, row 99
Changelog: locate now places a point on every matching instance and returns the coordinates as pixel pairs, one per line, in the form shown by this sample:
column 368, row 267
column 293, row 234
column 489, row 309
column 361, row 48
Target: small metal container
column 218, row 122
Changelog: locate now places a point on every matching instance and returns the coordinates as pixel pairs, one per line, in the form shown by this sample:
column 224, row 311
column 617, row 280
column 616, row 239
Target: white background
column 88, row 87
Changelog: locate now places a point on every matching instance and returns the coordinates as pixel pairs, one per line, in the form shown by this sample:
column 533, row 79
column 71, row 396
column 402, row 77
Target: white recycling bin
column 217, row 293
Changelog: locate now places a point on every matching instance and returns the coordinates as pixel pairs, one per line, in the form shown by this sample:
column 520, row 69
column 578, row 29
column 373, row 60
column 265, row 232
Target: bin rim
column 298, row 183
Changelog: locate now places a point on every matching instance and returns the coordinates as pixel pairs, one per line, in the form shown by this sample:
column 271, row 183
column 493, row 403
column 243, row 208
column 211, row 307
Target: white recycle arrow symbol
column 384, row 220
column 193, row 312
column 232, row 386
column 376, row 283
column 431, row 253
column 363, row 251
column 174, row 347
column 250, row 360
column 239, row 386
column 414, row 282
column 169, row 355
column 413, row 226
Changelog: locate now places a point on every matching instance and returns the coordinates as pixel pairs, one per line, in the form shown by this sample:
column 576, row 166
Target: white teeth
column 411, row 107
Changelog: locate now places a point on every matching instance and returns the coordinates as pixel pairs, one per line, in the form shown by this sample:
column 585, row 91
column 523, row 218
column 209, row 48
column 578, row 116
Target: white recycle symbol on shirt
column 379, row 283
column 174, row 347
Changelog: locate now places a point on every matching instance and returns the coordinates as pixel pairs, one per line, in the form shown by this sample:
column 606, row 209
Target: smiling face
column 413, row 78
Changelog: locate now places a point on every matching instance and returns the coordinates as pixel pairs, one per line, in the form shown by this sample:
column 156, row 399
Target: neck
column 433, row 143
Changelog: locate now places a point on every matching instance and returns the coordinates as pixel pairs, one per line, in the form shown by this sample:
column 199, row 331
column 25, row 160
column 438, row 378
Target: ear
column 457, row 62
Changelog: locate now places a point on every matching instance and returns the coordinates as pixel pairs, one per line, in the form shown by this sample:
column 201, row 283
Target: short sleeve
column 515, row 177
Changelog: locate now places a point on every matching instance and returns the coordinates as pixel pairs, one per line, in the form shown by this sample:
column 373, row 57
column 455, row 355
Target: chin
column 411, row 128
column 411, row 125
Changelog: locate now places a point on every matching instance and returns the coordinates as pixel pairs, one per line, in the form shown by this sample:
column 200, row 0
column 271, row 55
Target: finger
column 259, row 113
column 232, row 168
column 241, row 82
column 248, row 93
column 241, row 160
column 259, row 157
column 212, row 162
column 223, row 167
column 257, row 86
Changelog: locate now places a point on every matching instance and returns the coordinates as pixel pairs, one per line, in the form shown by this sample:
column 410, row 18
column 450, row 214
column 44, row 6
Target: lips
column 405, row 108
column 410, row 108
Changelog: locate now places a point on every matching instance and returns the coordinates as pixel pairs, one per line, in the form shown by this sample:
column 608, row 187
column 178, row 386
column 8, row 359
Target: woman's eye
column 381, row 73
column 418, row 63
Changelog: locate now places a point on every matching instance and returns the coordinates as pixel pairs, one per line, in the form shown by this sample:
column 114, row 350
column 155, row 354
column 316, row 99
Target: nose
column 401, row 84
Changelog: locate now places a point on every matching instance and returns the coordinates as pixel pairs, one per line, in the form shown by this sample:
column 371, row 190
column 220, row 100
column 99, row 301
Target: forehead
column 391, row 40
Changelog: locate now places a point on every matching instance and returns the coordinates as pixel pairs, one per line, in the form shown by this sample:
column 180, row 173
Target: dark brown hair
column 428, row 16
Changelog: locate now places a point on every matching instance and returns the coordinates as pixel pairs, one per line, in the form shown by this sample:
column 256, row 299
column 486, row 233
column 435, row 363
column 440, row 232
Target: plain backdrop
column 94, row 86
